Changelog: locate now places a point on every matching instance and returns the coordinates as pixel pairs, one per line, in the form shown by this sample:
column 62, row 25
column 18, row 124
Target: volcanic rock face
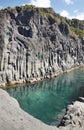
column 74, row 115
column 36, row 43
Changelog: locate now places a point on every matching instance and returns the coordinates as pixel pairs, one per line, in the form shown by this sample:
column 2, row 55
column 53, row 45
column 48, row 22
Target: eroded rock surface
column 36, row 43
column 74, row 116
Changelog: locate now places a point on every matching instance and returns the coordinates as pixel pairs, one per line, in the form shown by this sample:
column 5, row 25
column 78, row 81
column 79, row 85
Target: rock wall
column 33, row 46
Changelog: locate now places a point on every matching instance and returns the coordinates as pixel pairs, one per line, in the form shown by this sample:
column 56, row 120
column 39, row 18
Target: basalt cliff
column 37, row 43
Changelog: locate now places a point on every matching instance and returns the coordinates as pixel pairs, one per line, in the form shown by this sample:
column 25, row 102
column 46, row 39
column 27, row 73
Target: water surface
column 48, row 99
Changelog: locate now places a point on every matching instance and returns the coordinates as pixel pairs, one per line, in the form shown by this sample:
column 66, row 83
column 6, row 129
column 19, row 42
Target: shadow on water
column 78, row 93
column 47, row 100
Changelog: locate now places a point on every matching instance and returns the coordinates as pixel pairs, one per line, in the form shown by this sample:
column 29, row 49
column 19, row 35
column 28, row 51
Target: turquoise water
column 48, row 99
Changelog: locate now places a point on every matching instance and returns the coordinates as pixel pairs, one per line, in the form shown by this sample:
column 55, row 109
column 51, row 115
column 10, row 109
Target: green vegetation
column 77, row 31
column 9, row 9
column 27, row 7
column 46, row 12
column 75, row 26
column 24, row 8
column 19, row 8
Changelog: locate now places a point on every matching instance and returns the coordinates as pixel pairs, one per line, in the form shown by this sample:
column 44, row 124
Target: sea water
column 48, row 99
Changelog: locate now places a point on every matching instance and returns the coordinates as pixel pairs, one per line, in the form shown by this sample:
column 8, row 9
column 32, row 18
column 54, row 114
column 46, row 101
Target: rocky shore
column 12, row 117
column 35, row 80
column 35, row 44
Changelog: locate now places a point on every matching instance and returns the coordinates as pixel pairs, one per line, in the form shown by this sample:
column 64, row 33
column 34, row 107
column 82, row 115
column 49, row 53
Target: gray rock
column 74, row 115
column 81, row 99
column 33, row 46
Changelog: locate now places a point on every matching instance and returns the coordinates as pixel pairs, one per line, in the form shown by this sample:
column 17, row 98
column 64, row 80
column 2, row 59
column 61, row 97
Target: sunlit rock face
column 36, row 43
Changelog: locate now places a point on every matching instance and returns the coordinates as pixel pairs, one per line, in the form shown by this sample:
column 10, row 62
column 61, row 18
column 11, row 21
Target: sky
column 67, row 8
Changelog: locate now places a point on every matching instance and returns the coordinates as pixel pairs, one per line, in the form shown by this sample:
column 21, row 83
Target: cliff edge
column 37, row 43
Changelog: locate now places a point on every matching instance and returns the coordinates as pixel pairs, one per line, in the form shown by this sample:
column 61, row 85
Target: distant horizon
column 70, row 9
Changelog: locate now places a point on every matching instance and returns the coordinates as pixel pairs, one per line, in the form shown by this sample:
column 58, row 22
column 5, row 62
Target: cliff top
column 75, row 26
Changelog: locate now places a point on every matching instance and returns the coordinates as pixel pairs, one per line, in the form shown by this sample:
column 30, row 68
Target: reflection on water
column 48, row 99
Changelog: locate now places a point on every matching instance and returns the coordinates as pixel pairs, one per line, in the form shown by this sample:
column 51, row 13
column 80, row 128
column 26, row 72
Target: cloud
column 64, row 13
column 76, row 11
column 69, row 2
column 41, row 3
column 80, row 16
column 77, row 14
